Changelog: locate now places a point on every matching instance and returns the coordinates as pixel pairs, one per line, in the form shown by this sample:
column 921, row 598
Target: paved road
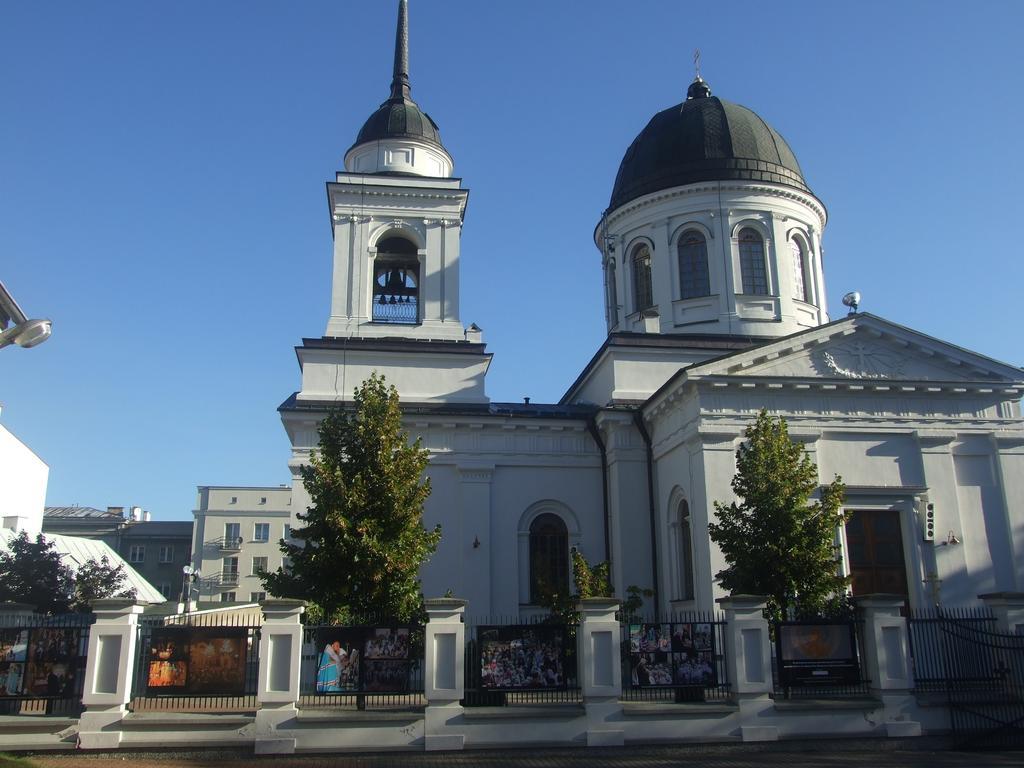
column 817, row 755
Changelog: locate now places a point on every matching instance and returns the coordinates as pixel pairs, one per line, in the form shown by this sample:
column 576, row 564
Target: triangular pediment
column 861, row 347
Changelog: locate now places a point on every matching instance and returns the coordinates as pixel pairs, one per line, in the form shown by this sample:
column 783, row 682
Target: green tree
column 362, row 541
column 31, row 572
column 97, row 579
column 776, row 541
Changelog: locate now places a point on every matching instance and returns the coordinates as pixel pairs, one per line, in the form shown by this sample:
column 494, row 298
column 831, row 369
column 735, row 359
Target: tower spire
column 400, row 87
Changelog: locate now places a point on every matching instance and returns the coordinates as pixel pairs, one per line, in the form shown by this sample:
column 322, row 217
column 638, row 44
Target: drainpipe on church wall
column 594, row 433
column 638, row 418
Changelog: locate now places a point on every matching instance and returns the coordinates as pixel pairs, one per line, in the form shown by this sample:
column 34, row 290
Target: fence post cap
column 116, row 606
column 445, row 603
column 879, row 599
column 743, row 601
column 282, row 604
column 9, row 606
column 1003, row 597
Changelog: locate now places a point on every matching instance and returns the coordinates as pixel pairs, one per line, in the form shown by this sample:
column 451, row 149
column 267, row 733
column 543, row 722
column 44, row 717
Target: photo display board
column 201, row 661
column 816, row 654
column 672, row 654
column 13, row 657
column 514, row 658
column 363, row 659
column 53, row 662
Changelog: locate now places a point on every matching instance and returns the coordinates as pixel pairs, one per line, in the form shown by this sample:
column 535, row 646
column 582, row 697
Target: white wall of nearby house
column 23, row 478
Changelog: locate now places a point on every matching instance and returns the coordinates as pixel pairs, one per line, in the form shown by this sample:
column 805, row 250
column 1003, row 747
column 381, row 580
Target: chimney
column 119, row 511
column 136, row 514
column 146, row 516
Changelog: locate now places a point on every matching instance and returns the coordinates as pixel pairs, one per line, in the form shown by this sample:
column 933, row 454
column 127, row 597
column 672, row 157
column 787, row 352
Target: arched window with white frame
column 753, row 270
column 801, row 282
column 643, row 290
column 549, row 557
column 694, row 279
column 613, row 293
column 686, row 590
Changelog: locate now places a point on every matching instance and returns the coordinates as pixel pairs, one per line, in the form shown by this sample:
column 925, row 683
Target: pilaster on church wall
column 1009, row 450
column 713, row 453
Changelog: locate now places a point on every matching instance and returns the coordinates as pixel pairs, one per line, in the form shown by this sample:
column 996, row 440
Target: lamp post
column 190, row 575
column 16, row 328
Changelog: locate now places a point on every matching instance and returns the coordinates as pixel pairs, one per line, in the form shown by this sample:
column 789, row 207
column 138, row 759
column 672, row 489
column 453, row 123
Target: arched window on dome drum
column 396, row 282
column 800, row 282
column 643, row 292
column 549, row 557
column 752, row 266
column 613, row 293
column 685, row 552
column 693, row 266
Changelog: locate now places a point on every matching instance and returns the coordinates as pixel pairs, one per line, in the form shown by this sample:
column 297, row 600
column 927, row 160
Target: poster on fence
column 363, row 659
column 206, row 661
column 521, row 657
column 13, row 653
column 53, row 660
column 816, row 654
column 672, row 654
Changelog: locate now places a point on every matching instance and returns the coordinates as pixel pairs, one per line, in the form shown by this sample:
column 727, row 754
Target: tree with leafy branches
column 776, row 540
column 31, row 572
column 362, row 540
column 96, row 579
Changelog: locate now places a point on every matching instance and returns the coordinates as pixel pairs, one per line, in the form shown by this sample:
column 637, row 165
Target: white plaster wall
column 23, row 479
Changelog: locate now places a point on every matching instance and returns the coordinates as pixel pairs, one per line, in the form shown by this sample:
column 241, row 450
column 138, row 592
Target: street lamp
column 190, row 575
column 16, row 328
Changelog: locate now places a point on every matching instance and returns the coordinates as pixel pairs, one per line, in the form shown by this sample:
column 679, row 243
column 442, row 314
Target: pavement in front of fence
column 822, row 754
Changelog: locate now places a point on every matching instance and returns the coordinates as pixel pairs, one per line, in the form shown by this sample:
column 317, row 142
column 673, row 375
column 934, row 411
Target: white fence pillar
column 444, row 683
column 748, row 658
column 1008, row 608
column 886, row 651
column 108, row 673
column 280, row 663
column 885, row 656
column 599, row 666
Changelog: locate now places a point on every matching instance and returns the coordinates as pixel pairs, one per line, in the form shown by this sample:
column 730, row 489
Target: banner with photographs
column 363, row 659
column 514, row 658
column 207, row 661
column 816, row 654
column 53, row 664
column 13, row 655
column 672, row 654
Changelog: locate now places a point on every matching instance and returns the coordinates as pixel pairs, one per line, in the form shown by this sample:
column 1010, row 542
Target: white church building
column 715, row 304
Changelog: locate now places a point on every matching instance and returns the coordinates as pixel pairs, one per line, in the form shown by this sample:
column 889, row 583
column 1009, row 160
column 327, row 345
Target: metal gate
column 981, row 672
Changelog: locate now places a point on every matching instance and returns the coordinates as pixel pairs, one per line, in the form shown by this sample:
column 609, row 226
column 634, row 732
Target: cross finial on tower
column 400, row 87
column 696, row 63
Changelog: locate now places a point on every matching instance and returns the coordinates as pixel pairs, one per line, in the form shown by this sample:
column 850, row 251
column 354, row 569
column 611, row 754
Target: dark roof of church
column 704, row 139
column 400, row 117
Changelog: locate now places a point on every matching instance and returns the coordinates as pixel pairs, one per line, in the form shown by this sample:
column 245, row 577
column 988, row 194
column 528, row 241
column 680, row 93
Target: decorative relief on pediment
column 856, row 360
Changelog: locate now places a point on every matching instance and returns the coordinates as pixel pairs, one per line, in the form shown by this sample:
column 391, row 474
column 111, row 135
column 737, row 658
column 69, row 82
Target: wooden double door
column 874, row 548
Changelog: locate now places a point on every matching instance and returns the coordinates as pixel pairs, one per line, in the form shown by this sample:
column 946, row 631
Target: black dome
column 400, row 118
column 704, row 139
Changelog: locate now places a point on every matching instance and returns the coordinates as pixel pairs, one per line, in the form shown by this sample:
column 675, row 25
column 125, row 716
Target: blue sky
column 162, row 170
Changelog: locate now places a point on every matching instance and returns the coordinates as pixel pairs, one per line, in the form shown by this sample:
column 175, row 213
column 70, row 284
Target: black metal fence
column 371, row 665
column 509, row 662
column 197, row 662
column 978, row 671
column 680, row 659
column 819, row 659
column 42, row 663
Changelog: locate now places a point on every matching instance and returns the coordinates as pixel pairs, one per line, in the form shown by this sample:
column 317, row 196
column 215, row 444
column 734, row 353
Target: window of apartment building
column 229, row 571
column 232, row 533
column 263, row 499
column 137, row 553
column 287, row 532
column 167, row 553
column 165, row 589
column 227, row 597
column 234, row 499
column 255, row 597
column 261, row 532
column 258, row 564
